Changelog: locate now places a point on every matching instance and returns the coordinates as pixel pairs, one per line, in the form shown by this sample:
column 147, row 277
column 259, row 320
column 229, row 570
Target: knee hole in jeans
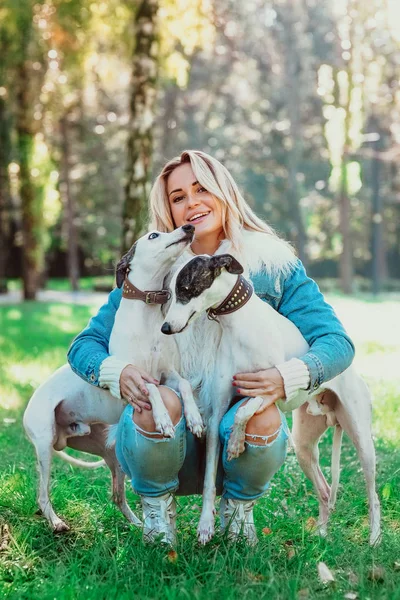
column 264, row 428
column 145, row 421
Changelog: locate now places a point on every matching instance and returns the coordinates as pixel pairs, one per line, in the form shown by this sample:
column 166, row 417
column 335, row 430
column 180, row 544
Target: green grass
column 62, row 284
column 103, row 556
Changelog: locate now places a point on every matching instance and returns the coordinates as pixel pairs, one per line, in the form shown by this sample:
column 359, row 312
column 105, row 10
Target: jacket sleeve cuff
column 110, row 373
column 295, row 377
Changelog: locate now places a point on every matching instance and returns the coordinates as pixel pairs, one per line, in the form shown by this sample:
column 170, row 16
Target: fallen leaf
column 396, row 565
column 324, row 573
column 351, row 596
column 353, row 578
column 5, row 537
column 291, row 553
column 304, row 593
column 172, row 556
column 255, row 576
column 311, row 524
column 376, row 573
column 196, row 507
column 266, row 531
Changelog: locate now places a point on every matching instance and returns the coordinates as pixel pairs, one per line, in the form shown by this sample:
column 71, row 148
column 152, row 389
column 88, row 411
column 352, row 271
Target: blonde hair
column 216, row 179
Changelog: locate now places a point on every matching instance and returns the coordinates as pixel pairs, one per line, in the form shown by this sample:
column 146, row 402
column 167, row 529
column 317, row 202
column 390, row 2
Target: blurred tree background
column 300, row 99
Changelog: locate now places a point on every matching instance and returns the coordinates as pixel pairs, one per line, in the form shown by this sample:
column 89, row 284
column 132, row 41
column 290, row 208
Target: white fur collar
column 263, row 253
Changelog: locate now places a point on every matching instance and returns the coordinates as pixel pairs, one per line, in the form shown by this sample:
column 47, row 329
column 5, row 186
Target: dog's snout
column 166, row 328
column 188, row 228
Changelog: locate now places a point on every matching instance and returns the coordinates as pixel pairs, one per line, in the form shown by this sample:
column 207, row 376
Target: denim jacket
column 295, row 296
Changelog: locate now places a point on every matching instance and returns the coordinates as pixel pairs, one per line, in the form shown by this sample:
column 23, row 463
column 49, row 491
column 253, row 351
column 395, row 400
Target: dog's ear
column 123, row 266
column 228, row 262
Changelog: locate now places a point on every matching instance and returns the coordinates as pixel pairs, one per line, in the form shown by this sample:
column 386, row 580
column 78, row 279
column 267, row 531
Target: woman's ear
column 123, row 266
column 228, row 262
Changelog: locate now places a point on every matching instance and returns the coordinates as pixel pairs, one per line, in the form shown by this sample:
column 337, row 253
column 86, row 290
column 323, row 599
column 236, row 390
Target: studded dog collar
column 131, row 292
column 238, row 296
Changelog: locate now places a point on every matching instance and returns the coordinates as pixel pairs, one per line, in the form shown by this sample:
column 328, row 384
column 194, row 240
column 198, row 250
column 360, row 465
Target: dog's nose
column 166, row 328
column 188, row 228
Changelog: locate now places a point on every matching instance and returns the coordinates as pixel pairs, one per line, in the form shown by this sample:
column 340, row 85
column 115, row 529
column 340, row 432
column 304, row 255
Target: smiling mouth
column 199, row 218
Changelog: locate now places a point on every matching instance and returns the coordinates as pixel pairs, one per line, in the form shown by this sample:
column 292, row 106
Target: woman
column 195, row 188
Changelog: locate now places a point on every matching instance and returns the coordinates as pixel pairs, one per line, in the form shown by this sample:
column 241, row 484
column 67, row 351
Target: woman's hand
column 133, row 389
column 267, row 383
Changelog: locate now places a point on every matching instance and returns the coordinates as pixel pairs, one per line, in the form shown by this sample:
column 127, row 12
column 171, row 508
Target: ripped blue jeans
column 159, row 465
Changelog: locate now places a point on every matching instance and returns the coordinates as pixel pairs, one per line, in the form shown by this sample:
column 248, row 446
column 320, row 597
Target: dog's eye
column 152, row 236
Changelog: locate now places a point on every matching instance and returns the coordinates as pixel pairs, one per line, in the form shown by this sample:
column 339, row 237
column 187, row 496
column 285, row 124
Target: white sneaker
column 159, row 519
column 237, row 516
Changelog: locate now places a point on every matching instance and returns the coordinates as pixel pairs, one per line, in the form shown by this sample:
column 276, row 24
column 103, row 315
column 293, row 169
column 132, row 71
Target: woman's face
column 191, row 203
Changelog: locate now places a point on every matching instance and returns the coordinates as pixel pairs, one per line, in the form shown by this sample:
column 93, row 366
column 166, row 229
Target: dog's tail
column 335, row 467
column 79, row 463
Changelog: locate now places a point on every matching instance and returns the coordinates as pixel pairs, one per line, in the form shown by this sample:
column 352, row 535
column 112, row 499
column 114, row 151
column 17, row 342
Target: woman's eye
column 177, row 199
column 152, row 236
column 201, row 189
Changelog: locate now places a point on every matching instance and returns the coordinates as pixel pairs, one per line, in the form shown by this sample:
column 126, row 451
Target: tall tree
column 145, row 66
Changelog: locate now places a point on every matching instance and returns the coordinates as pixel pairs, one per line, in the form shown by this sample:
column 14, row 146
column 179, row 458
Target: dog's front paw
column 235, row 445
column 60, row 527
column 195, row 423
column 206, row 529
column 164, row 425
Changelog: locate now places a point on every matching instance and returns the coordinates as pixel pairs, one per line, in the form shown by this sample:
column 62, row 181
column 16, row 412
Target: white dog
column 214, row 284
column 65, row 407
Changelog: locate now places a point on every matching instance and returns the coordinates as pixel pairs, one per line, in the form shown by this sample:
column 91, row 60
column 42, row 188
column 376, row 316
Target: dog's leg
column 161, row 416
column 238, row 435
column 336, row 447
column 118, row 492
column 95, row 443
column 44, row 451
column 41, row 430
column 358, row 428
column 192, row 413
column 206, row 527
column 306, row 431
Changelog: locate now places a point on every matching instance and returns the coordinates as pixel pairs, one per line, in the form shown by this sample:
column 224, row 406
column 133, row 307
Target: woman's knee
column 266, row 425
column 173, row 405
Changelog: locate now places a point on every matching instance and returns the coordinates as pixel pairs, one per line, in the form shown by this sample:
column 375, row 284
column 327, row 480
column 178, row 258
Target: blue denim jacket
column 296, row 297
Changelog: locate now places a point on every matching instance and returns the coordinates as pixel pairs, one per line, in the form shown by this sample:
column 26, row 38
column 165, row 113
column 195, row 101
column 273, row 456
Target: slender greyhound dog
column 66, row 410
column 215, row 285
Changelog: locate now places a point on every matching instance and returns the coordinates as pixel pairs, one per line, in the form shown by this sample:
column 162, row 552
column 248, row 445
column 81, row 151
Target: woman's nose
column 193, row 200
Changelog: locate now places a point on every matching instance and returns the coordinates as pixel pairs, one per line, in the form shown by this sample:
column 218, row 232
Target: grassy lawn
column 103, row 557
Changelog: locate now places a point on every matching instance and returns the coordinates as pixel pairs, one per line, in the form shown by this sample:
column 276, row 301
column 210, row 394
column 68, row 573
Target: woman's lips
column 199, row 220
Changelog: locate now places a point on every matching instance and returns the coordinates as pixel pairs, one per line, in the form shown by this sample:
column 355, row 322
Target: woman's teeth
column 197, row 217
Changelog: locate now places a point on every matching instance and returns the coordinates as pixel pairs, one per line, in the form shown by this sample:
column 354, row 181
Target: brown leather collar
column 131, row 292
column 238, row 296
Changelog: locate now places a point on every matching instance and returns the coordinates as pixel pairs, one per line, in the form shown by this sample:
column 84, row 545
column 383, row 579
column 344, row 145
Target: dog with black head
column 254, row 337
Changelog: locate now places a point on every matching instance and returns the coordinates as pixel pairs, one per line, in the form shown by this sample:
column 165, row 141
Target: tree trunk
column 4, row 193
column 31, row 205
column 142, row 108
column 292, row 18
column 69, row 207
column 346, row 258
column 346, row 269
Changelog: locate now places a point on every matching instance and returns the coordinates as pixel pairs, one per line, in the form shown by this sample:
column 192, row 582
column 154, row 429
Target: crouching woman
column 197, row 189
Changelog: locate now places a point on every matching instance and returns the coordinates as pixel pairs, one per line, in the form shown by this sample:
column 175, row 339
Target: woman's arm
column 90, row 347
column 331, row 350
column 89, row 358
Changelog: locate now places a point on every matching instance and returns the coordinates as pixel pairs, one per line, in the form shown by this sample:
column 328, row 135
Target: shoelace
column 160, row 511
column 242, row 512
